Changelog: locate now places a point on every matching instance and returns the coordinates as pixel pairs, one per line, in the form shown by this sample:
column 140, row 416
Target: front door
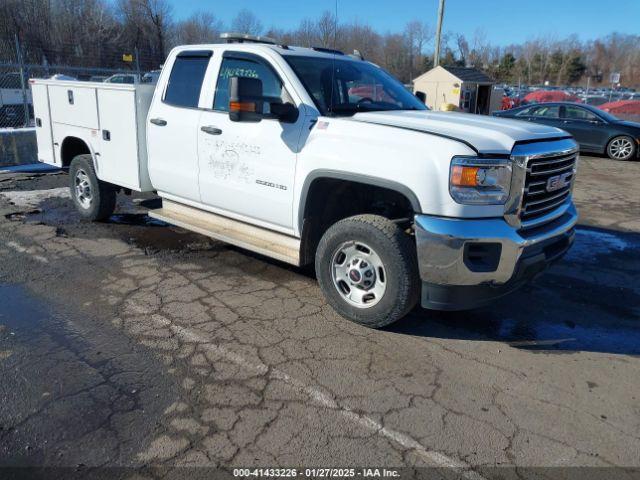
column 547, row 114
column 247, row 168
column 587, row 129
column 172, row 123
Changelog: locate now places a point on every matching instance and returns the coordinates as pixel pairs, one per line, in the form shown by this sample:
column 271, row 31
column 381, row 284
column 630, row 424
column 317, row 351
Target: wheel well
column 71, row 147
column 329, row 200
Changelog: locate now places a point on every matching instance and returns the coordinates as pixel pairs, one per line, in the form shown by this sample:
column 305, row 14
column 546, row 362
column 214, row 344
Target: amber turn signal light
column 242, row 107
column 464, row 176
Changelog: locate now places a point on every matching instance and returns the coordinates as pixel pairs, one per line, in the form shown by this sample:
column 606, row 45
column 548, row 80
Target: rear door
column 172, row 139
column 247, row 169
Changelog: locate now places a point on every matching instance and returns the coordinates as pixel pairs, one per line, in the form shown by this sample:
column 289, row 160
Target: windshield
column 358, row 86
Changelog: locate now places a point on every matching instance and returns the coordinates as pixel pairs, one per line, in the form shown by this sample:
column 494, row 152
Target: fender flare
column 354, row 177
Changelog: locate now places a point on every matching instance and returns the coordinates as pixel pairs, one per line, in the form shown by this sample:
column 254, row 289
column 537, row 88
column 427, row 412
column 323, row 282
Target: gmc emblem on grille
column 558, row 181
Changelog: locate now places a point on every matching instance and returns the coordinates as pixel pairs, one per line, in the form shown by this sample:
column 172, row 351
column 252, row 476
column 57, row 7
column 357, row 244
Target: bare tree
column 98, row 33
column 463, row 48
column 201, row 27
column 327, row 30
column 246, row 22
column 417, row 33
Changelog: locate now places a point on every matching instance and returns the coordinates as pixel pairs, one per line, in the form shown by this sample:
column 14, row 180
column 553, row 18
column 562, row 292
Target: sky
column 502, row 21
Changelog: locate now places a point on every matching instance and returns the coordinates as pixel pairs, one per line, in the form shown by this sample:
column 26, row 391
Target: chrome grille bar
column 538, row 200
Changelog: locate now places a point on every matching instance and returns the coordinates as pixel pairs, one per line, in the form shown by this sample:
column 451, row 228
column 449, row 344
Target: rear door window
column 524, row 113
column 546, row 111
column 185, row 81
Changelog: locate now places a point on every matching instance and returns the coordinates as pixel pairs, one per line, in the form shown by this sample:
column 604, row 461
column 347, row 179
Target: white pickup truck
column 311, row 156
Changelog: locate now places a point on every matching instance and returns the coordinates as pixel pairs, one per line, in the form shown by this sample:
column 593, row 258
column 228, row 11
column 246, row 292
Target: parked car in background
column 151, row 77
column 595, row 130
column 128, row 78
column 98, row 78
column 62, row 76
column 12, row 108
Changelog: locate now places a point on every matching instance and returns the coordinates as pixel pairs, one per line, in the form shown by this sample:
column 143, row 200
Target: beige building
column 469, row 89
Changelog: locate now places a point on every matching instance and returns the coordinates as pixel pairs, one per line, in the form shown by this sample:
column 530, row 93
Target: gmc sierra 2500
column 271, row 148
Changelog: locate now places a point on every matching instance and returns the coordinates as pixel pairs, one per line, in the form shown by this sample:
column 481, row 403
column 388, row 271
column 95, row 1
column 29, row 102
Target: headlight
column 480, row 181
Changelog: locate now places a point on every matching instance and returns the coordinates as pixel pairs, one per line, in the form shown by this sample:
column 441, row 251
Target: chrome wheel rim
column 83, row 189
column 358, row 274
column 620, row 148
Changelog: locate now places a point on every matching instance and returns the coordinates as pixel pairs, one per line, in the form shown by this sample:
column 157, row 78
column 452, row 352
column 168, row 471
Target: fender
column 79, row 136
column 354, row 177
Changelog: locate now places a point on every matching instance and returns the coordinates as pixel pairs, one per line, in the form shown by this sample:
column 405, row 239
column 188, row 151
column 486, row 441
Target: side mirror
column 247, row 103
column 422, row 97
column 245, row 99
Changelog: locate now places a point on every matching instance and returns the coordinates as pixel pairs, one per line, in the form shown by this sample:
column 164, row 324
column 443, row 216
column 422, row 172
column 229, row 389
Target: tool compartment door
column 74, row 105
column 118, row 161
column 42, row 114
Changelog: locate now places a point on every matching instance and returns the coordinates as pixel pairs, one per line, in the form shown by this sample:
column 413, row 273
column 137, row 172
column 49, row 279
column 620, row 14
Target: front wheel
column 94, row 199
column 621, row 148
column 367, row 269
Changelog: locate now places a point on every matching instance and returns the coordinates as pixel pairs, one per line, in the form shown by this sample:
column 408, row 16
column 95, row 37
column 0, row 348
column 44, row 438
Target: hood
column 486, row 134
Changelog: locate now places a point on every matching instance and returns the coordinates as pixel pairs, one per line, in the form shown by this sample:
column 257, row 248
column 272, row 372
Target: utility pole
column 436, row 55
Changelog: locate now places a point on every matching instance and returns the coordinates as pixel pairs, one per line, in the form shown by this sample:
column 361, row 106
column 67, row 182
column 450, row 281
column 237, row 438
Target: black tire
column 624, row 139
column 393, row 247
column 101, row 195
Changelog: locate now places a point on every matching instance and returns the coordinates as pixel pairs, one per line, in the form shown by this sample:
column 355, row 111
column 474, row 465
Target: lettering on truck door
column 247, row 168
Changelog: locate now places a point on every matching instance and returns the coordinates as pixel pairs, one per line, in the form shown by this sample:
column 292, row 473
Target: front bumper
column 465, row 263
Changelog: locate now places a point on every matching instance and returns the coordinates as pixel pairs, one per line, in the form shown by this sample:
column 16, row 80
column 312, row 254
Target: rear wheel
column 367, row 269
column 621, row 148
column 94, row 199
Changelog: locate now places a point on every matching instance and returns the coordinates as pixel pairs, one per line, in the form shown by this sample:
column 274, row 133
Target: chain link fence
column 18, row 64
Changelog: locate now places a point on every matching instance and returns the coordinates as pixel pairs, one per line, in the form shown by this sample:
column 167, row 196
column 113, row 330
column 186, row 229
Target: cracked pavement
column 131, row 343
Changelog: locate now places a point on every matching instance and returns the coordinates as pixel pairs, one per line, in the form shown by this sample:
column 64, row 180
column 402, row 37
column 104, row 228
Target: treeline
column 96, row 33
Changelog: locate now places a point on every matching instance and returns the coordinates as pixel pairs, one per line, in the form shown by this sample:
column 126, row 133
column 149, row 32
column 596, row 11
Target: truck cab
column 314, row 157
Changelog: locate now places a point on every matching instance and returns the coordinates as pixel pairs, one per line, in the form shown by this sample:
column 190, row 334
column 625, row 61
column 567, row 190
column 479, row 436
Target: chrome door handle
column 211, row 130
column 158, row 121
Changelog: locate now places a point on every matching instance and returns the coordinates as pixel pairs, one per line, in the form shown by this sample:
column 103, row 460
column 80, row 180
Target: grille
column 537, row 201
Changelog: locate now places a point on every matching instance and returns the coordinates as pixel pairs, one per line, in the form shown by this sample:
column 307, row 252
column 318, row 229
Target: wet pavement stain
column 64, row 380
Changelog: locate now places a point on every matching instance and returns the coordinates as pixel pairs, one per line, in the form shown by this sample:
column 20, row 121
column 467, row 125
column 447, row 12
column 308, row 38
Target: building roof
column 468, row 74
column 464, row 74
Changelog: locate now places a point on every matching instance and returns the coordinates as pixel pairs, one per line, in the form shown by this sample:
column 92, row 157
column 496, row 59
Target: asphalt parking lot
column 131, row 343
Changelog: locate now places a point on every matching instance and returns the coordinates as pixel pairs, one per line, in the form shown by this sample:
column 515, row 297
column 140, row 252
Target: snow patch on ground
column 14, row 130
column 33, row 168
column 33, row 198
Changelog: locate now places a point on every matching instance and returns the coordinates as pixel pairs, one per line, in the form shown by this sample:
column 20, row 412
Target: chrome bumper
column 443, row 254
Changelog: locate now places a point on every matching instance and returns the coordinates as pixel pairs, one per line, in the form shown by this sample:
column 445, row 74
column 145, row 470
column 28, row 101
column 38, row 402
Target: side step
column 260, row 240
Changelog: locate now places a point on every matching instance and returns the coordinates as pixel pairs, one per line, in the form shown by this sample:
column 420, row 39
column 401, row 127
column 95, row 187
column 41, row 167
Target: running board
column 260, row 240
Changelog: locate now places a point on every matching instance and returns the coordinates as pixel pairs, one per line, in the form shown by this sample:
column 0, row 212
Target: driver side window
column 236, row 67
